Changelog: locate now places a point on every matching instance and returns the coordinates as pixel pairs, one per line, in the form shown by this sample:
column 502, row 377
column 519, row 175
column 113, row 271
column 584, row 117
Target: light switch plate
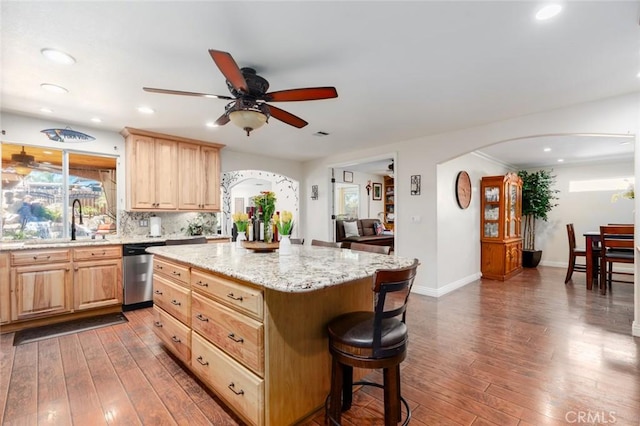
column 143, row 223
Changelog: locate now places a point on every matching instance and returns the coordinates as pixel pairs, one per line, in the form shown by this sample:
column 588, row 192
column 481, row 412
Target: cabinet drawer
column 236, row 334
column 175, row 335
column 240, row 388
column 36, row 257
column 97, row 252
column 178, row 273
column 173, row 298
column 245, row 299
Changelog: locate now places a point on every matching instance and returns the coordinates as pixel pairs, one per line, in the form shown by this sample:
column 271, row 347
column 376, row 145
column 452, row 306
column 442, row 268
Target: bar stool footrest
column 365, row 383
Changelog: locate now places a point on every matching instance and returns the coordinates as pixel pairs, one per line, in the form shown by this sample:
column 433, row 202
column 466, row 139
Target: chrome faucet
column 73, row 217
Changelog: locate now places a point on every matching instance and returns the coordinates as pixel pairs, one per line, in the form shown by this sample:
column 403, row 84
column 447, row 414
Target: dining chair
column 370, row 248
column 299, row 241
column 325, row 244
column 617, row 247
column 574, row 253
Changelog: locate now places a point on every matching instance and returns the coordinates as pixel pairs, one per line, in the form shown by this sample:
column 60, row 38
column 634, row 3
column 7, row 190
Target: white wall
column 459, row 245
column 586, row 210
column 421, row 156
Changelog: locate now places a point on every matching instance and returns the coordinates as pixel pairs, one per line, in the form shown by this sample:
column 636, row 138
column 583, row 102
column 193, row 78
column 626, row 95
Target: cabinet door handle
column 232, row 386
column 175, row 302
column 234, row 338
column 201, row 361
column 175, row 273
column 175, row 339
column 202, row 284
column 158, row 292
column 202, row 318
column 157, row 324
column 231, row 296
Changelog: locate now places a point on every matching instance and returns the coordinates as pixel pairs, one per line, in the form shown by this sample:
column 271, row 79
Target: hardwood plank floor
column 529, row 351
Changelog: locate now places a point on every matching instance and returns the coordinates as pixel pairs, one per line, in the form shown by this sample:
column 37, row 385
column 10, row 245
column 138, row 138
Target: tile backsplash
column 173, row 224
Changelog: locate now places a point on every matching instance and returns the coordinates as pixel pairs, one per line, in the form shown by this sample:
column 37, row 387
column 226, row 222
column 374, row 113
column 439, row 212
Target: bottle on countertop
column 250, row 226
column 275, row 229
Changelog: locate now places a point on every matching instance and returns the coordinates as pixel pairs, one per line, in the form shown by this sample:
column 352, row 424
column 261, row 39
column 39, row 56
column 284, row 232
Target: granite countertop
column 308, row 268
column 67, row 243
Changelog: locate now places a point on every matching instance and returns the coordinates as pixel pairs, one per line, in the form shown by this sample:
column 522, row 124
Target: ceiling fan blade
column 306, row 94
column 222, row 120
column 229, row 69
column 287, row 117
column 180, row 92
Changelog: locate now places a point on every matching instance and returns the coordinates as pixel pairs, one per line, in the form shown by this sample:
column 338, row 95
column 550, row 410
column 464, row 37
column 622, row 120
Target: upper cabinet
column 167, row 173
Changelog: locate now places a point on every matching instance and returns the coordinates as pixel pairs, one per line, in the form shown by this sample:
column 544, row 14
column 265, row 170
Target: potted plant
column 538, row 198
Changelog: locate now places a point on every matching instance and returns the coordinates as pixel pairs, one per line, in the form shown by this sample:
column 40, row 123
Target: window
column 36, row 199
column 347, row 201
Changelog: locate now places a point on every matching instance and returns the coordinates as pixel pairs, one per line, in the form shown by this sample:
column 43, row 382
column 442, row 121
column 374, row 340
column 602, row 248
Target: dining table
column 591, row 241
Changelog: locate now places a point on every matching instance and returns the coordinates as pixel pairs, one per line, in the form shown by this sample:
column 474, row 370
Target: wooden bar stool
column 372, row 340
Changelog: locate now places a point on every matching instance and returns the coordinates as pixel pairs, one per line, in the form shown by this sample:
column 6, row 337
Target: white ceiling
column 402, row 70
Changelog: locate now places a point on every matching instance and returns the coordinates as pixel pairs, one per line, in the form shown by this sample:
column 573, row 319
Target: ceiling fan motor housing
column 257, row 85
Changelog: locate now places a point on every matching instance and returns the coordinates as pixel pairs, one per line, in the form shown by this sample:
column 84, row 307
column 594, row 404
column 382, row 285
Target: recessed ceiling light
column 96, row 120
column 58, row 56
column 548, row 12
column 211, row 124
column 547, row 149
column 53, row 88
column 47, row 110
column 560, row 160
column 145, row 110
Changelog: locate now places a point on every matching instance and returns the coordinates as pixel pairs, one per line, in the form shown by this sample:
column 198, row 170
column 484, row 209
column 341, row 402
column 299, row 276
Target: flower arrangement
column 284, row 222
column 267, row 203
column 202, row 223
column 628, row 193
column 241, row 220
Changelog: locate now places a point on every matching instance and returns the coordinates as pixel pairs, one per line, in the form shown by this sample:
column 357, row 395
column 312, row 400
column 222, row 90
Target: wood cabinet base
column 21, row 325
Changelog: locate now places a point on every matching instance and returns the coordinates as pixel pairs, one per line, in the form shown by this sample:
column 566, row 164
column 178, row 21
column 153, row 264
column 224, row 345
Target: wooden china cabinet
column 500, row 222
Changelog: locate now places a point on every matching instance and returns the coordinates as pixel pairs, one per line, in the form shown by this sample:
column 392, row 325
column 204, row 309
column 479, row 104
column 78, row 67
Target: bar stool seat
column 372, row 340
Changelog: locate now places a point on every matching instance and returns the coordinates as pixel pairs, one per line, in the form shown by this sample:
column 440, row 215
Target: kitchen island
column 251, row 325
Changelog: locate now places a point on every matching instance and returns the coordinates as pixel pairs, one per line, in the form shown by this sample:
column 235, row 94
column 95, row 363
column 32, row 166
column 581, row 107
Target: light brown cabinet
column 5, row 289
column 165, row 173
column 500, row 226
column 97, row 277
column 389, row 202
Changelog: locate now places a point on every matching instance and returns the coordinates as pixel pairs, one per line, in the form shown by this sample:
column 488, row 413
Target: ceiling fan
column 22, row 163
column 248, row 108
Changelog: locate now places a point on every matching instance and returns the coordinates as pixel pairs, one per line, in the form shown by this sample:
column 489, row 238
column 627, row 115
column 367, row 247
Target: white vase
column 285, row 245
column 240, row 238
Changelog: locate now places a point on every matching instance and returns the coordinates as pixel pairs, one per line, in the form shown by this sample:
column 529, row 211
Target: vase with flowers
column 241, row 221
column 266, row 202
column 628, row 193
column 284, row 223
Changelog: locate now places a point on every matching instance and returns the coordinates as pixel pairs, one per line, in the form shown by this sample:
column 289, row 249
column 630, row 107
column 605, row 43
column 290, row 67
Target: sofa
column 366, row 231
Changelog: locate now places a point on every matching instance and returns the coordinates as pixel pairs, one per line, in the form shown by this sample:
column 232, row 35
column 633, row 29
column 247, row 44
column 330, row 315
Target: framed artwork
column 377, row 191
column 347, row 176
column 415, row 184
column 314, row 192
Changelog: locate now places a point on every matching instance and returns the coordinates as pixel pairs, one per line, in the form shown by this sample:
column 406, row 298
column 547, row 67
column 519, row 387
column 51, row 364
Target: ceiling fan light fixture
column 248, row 120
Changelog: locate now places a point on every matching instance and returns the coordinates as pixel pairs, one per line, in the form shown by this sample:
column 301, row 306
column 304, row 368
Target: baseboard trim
column 437, row 292
column 635, row 329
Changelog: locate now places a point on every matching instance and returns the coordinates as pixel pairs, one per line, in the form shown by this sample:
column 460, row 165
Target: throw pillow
column 379, row 228
column 351, row 229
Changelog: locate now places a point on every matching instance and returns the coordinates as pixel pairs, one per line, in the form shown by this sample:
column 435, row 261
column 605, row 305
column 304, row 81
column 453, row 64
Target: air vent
column 321, row 133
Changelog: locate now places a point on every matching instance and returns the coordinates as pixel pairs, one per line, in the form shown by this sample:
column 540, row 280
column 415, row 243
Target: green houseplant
column 538, row 199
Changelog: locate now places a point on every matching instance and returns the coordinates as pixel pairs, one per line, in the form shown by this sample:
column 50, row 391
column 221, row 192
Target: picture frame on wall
column 377, row 191
column 415, row 184
column 347, row 176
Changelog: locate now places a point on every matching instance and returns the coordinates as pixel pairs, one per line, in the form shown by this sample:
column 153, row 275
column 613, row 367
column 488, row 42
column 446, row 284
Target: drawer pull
column 201, row 284
column 232, row 386
column 175, row 302
column 45, row 257
column 99, row 254
column 175, row 339
column 158, row 266
column 202, row 318
column 201, row 361
column 234, row 338
column 158, row 292
column 175, row 273
column 157, row 324
column 231, row 296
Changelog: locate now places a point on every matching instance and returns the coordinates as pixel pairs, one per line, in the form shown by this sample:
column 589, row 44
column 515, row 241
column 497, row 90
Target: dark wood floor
column 530, row 351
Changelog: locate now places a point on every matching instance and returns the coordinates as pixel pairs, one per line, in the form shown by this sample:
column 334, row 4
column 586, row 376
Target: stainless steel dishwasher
column 137, row 275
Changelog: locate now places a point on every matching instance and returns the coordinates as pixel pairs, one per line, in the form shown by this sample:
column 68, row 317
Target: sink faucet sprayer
column 73, row 217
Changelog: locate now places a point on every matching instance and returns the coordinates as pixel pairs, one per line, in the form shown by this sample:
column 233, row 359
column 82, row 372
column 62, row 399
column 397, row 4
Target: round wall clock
column 463, row 189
